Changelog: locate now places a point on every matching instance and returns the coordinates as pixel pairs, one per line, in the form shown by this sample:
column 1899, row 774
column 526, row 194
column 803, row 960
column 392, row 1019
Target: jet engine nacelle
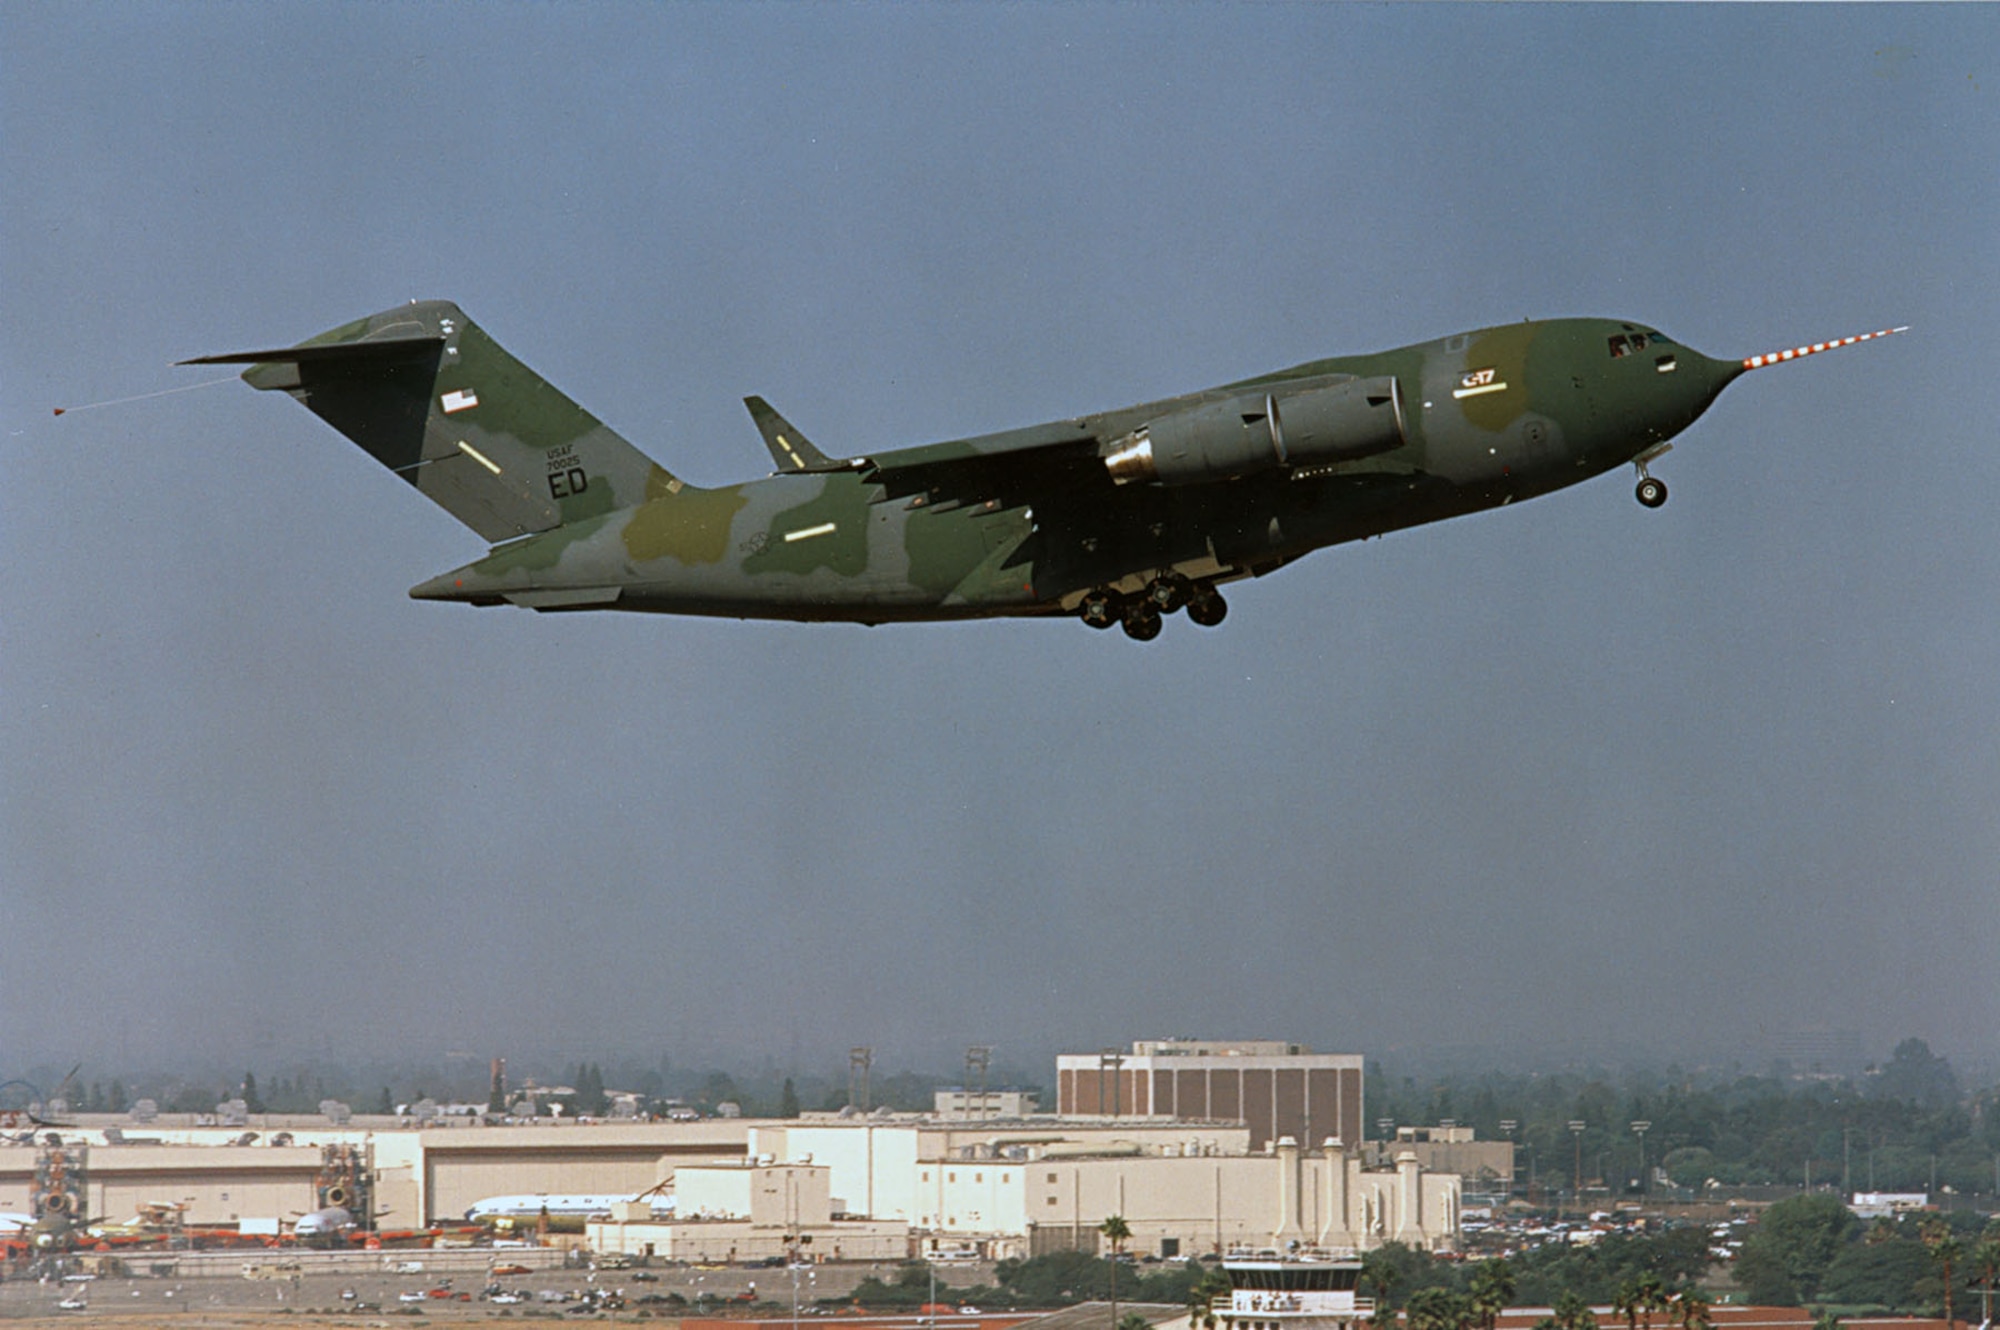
column 1240, row 436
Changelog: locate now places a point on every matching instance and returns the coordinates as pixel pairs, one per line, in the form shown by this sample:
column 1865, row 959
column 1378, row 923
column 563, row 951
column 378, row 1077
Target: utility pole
column 1576, row 1126
column 978, row 1057
column 859, row 1060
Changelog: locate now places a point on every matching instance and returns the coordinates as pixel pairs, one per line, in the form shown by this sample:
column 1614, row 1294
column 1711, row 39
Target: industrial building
column 1198, row 1146
column 219, row 1176
column 1275, row 1089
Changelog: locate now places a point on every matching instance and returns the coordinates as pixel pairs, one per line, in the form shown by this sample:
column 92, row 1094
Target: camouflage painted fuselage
column 1028, row 522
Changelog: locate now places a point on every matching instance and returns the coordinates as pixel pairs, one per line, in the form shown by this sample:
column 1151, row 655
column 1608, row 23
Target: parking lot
column 232, row 1300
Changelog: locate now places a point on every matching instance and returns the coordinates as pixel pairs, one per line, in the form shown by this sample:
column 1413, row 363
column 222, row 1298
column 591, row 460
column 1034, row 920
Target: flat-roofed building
column 1191, row 1204
column 874, row 1165
column 1275, row 1088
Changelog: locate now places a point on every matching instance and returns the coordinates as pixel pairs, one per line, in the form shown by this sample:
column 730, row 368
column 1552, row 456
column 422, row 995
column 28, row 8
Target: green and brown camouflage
column 1116, row 517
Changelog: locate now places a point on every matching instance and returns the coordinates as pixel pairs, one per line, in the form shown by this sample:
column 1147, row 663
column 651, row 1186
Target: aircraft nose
column 1696, row 379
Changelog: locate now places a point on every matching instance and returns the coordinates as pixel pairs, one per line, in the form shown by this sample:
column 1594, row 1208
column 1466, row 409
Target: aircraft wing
column 1014, row 466
column 1063, row 457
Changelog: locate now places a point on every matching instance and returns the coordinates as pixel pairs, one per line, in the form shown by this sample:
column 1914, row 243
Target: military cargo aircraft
column 1115, row 518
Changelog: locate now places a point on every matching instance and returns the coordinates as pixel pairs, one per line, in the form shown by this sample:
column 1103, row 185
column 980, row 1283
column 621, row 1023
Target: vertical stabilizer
column 424, row 391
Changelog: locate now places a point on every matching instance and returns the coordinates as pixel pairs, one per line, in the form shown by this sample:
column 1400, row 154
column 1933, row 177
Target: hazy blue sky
column 1568, row 776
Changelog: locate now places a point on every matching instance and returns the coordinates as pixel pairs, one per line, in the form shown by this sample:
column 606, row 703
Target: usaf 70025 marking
column 1115, row 518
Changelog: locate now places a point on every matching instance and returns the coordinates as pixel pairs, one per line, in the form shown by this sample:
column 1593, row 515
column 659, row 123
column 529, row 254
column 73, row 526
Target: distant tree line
column 1059, row 1279
column 1900, row 1127
column 299, row 1087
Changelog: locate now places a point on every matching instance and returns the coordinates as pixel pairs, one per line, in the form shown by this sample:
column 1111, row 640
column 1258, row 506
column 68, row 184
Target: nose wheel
column 1652, row 491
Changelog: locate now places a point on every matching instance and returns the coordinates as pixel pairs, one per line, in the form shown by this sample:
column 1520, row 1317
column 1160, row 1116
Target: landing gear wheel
column 1142, row 621
column 1100, row 609
column 1207, row 607
column 1652, row 491
column 1168, row 593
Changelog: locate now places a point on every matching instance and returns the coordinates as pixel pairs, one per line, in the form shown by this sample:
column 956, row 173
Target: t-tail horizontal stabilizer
column 791, row 450
column 425, row 392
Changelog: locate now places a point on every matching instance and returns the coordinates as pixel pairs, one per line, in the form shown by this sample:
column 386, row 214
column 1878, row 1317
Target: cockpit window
column 1625, row 344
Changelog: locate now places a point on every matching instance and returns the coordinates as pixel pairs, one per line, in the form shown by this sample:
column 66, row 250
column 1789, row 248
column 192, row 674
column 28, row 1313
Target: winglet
column 791, row 450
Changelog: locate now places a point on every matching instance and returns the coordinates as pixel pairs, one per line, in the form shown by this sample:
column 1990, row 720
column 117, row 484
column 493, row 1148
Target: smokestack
column 1288, row 1190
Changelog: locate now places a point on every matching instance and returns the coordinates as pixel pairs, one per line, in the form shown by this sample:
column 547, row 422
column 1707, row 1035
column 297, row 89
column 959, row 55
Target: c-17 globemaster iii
column 1119, row 517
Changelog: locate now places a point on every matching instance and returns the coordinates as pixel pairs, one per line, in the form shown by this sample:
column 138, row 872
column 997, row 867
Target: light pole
column 1507, row 1126
column 792, row 1261
column 1576, row 1126
column 1639, row 1129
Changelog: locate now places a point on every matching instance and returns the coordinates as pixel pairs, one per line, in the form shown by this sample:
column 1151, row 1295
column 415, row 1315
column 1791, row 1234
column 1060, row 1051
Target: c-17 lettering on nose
column 1121, row 517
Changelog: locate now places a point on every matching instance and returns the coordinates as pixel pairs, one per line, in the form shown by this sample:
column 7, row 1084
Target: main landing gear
column 1142, row 615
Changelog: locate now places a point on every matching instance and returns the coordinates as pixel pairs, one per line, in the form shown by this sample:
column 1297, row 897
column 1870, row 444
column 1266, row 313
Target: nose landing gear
column 1652, row 491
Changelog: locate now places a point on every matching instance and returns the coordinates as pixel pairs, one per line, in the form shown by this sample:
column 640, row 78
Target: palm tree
column 1625, row 1303
column 1119, row 1233
column 1688, row 1310
column 1201, row 1299
column 1985, row 1259
column 1492, row 1289
column 1652, row 1298
column 1380, row 1275
column 1945, row 1250
column 1572, row 1312
column 1436, row 1308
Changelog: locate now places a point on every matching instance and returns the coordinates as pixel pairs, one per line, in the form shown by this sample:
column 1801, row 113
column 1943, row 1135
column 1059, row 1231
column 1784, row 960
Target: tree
column 1688, row 1309
column 1202, row 1294
column 1638, row 1299
column 788, row 1100
column 1918, row 1076
column 1118, row 1233
column 496, row 1092
column 1437, row 1308
column 1945, row 1249
column 1492, row 1289
column 1985, row 1258
column 1381, row 1276
column 1572, row 1312
column 1879, row 1272
column 252, row 1101
column 1784, row 1260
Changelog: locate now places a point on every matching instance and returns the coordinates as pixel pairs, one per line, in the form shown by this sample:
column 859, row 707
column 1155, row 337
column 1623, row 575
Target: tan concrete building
column 750, row 1211
column 873, row 1165
column 417, row 1173
column 1189, row 1205
column 1485, row 1165
column 1274, row 1088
